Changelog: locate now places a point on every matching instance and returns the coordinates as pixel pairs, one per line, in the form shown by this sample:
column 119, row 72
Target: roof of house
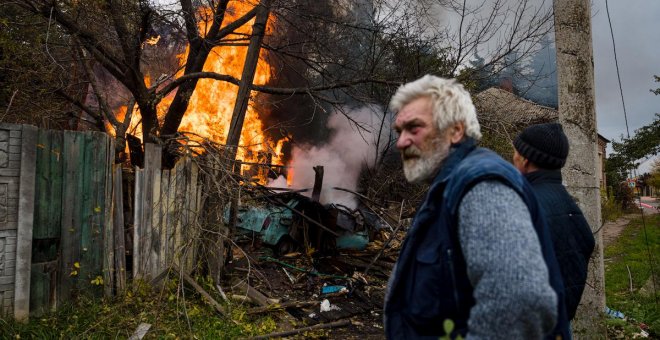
column 496, row 107
column 503, row 111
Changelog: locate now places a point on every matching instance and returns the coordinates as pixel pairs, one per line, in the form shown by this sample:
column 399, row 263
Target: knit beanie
column 545, row 145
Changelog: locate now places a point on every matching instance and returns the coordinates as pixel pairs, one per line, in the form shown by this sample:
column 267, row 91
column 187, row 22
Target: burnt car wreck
column 288, row 221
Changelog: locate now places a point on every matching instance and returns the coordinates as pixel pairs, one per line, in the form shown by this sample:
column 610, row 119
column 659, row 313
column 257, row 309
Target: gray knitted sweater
column 512, row 292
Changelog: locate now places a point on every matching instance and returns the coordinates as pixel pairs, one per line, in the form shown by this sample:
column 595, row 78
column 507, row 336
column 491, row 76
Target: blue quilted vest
column 430, row 282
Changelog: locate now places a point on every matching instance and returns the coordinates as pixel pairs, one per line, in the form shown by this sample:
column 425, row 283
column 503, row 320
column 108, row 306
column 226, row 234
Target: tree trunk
column 149, row 119
column 249, row 68
column 577, row 115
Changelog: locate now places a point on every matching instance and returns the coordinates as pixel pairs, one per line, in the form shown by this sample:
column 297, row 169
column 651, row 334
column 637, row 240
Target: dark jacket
column 430, row 283
column 571, row 236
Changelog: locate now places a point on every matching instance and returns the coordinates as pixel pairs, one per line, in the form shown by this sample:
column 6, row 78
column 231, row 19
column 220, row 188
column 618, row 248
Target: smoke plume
column 354, row 144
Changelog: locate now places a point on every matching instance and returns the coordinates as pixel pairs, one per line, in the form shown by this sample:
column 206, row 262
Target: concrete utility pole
column 577, row 114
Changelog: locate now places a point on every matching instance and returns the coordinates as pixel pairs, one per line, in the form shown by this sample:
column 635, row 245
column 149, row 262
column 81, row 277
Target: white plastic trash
column 326, row 306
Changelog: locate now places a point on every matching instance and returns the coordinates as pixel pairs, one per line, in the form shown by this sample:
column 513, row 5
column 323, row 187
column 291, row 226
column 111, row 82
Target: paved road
column 650, row 204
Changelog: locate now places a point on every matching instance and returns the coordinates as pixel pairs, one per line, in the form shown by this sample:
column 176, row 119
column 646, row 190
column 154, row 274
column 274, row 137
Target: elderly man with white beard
column 478, row 252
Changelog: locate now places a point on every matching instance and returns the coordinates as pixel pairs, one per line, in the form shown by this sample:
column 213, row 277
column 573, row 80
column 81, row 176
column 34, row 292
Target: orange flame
column 211, row 104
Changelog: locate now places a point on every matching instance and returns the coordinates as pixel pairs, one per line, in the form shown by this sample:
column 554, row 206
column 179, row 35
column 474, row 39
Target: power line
column 616, row 63
column 625, row 116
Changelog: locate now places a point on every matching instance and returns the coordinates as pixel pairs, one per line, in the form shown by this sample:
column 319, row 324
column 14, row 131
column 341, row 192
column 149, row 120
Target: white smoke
column 349, row 150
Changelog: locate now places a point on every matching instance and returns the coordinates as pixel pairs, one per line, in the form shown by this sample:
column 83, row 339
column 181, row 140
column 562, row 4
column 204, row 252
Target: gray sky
column 636, row 25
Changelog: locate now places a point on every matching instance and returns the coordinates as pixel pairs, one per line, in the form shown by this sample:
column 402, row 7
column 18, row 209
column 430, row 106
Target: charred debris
column 313, row 264
column 309, row 265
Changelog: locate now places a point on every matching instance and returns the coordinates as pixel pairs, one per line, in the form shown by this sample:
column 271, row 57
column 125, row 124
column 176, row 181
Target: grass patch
column 631, row 252
column 171, row 315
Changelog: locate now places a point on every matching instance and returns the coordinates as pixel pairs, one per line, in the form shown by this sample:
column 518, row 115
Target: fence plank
column 108, row 254
column 179, row 212
column 191, row 219
column 155, row 170
column 118, row 229
column 88, row 212
column 73, row 144
column 138, row 222
column 43, row 286
column 47, row 221
column 171, row 216
column 25, row 223
column 48, row 208
column 162, row 227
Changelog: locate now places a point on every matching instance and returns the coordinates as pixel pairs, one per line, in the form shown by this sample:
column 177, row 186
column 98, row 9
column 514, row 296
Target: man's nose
column 403, row 141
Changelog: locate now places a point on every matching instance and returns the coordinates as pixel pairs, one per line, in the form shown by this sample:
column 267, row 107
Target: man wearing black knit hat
column 540, row 153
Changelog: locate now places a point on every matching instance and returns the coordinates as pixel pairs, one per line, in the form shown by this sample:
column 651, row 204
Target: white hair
column 451, row 102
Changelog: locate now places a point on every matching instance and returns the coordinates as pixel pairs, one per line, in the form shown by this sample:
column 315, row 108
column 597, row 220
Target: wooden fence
column 72, row 244
column 62, row 222
column 166, row 210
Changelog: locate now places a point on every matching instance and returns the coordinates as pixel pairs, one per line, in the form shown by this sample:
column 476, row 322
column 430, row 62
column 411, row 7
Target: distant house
column 504, row 114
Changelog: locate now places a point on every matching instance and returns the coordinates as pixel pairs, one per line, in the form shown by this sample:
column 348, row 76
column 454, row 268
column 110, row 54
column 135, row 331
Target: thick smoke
column 352, row 147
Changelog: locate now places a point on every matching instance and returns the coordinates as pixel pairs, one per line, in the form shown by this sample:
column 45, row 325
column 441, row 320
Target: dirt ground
column 301, row 278
column 612, row 229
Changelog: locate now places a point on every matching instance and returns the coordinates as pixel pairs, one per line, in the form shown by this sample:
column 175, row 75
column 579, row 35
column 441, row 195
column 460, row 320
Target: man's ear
column 457, row 132
column 525, row 164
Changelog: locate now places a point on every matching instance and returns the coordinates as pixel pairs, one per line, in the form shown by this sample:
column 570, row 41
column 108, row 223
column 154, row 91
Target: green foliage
column 636, row 250
column 625, row 196
column 620, row 329
column 406, row 58
column 530, row 75
column 448, row 326
column 656, row 91
column 499, row 143
column 629, row 151
column 654, row 177
column 173, row 314
column 478, row 76
column 610, row 209
column 34, row 64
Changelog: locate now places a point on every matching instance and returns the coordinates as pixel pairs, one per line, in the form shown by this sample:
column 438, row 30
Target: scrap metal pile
column 313, row 265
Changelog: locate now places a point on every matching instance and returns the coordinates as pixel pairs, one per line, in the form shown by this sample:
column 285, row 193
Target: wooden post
column 578, row 117
column 25, row 223
column 318, row 183
column 245, row 86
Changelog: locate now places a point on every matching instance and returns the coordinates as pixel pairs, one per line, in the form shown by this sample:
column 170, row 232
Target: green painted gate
column 72, row 249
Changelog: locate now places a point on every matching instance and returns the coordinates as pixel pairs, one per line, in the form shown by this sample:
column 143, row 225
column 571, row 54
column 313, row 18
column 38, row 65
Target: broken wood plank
column 389, row 240
column 280, row 306
column 140, row 332
column 335, row 324
column 222, row 293
column 158, row 279
column 254, row 294
column 276, row 194
column 201, row 291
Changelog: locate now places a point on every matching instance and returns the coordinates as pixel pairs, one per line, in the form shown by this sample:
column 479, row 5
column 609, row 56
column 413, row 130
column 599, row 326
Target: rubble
column 310, row 264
